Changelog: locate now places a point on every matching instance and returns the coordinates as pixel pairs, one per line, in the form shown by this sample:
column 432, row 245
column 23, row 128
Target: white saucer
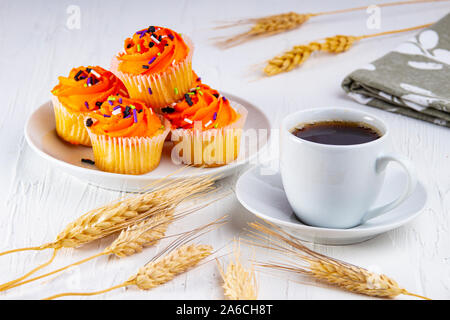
column 263, row 195
column 41, row 135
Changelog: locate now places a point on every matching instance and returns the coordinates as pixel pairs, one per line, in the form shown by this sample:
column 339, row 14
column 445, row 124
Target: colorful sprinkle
column 117, row 111
column 188, row 120
column 224, row 99
column 107, row 116
column 95, row 73
column 110, row 102
column 89, row 122
column 86, row 104
column 176, row 90
column 151, row 60
column 208, row 123
column 135, row 115
column 139, row 48
column 87, row 161
column 150, row 90
column 171, row 36
column 78, row 74
column 145, row 66
column 154, row 39
column 120, row 100
column 215, row 126
column 215, row 116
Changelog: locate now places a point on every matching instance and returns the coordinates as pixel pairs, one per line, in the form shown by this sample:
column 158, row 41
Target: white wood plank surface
column 37, row 200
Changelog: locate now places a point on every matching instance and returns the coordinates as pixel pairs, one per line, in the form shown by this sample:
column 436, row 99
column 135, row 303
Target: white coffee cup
column 335, row 186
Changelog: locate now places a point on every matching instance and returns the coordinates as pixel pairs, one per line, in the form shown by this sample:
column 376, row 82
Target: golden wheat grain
column 158, row 272
column 239, row 283
column 132, row 239
column 166, row 268
column 113, row 217
column 146, row 233
column 176, row 258
column 299, row 54
column 267, row 26
column 321, row 267
column 293, row 58
column 274, row 24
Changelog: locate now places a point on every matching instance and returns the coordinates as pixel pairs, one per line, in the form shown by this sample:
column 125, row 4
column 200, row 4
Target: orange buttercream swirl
column 123, row 117
column 87, row 87
column 201, row 103
column 152, row 50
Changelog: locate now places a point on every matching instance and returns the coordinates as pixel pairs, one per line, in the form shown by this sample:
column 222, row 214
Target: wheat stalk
column 239, row 283
column 132, row 239
column 299, row 54
column 175, row 259
column 165, row 269
column 266, row 26
column 144, row 234
column 274, row 24
column 321, row 267
column 108, row 219
column 293, row 58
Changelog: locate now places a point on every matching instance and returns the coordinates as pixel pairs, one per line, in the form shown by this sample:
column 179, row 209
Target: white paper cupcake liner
column 70, row 124
column 128, row 155
column 210, row 148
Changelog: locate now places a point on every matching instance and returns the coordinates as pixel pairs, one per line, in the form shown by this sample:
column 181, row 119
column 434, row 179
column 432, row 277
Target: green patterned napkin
column 412, row 80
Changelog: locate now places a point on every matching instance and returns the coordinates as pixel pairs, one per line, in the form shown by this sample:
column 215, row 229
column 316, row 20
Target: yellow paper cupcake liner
column 128, row 155
column 70, row 124
column 166, row 87
column 209, row 148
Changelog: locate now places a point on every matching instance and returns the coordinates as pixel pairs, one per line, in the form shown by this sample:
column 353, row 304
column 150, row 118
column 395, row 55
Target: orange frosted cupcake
column 156, row 66
column 206, row 129
column 127, row 136
column 79, row 94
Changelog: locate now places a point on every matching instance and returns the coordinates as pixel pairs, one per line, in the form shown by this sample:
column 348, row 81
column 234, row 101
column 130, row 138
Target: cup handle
column 380, row 165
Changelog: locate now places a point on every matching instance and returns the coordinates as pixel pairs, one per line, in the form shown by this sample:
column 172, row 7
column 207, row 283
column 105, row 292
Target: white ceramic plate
column 264, row 196
column 40, row 134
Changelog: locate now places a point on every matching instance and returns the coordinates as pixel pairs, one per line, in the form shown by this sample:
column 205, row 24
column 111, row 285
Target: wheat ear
column 132, row 239
column 295, row 57
column 239, row 283
column 321, row 267
column 115, row 216
column 275, row 24
column 176, row 258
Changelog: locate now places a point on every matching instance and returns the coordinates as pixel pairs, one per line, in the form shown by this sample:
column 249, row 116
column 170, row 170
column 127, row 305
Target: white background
column 36, row 200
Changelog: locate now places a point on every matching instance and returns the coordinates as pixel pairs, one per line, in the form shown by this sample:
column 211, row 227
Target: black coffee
column 336, row 132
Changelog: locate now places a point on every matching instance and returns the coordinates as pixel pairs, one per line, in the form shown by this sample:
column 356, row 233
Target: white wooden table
column 37, row 200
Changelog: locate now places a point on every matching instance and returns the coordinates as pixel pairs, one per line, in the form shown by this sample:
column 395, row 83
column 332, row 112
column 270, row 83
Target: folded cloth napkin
column 412, row 80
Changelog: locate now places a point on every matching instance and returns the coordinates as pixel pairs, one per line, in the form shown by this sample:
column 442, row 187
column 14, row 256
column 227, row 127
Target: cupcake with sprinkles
column 78, row 95
column 155, row 66
column 127, row 137
column 206, row 127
